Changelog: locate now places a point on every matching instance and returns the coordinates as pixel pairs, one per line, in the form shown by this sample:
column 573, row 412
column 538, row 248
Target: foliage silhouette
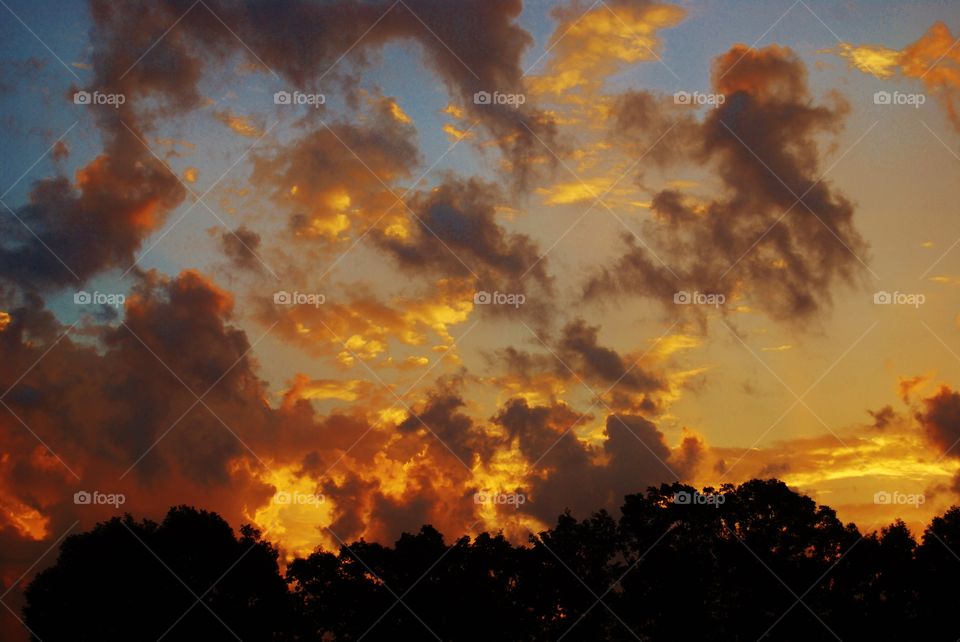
column 763, row 563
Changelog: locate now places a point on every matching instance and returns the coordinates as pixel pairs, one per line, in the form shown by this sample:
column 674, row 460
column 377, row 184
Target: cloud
column 455, row 234
column 907, row 386
column 60, row 151
column 239, row 124
column 240, row 246
column 94, row 223
column 119, row 406
column 933, row 59
column 339, row 176
column 303, row 387
column 579, row 348
column 940, row 419
column 473, row 46
column 441, row 416
column 877, row 60
column 761, row 142
column 630, row 382
column 103, row 401
column 592, row 42
column 569, row 473
column 883, row 417
column 361, row 325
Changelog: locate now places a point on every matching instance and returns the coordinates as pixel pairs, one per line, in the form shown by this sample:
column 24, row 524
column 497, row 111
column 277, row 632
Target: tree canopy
column 758, row 562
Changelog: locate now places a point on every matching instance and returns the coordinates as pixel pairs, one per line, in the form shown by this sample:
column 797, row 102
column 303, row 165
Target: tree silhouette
column 187, row 578
column 760, row 562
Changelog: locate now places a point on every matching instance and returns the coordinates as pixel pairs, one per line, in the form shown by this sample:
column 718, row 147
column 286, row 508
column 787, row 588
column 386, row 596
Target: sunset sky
column 714, row 251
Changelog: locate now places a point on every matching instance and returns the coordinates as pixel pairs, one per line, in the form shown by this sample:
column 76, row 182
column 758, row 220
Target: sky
column 340, row 269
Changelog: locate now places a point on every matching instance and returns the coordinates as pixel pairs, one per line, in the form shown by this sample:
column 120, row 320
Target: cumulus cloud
column 454, row 233
column 94, row 223
column 442, row 417
column 361, row 326
column 569, row 473
column 940, row 418
column 626, row 382
column 339, row 176
column 118, row 407
column 579, row 347
column 933, row 59
column 785, row 256
column 473, row 46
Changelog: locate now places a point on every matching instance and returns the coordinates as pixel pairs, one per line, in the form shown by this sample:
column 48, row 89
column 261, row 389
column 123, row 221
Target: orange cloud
column 877, row 60
column 934, row 59
column 586, row 48
column 243, row 125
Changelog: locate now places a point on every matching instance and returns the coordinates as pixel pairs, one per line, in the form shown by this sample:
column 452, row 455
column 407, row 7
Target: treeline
column 761, row 563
